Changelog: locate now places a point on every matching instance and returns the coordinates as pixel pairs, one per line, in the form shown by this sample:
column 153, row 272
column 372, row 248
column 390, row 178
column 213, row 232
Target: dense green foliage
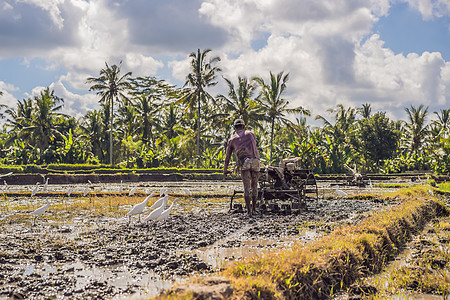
column 145, row 123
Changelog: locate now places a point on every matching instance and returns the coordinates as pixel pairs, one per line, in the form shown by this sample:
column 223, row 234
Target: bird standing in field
column 40, row 211
column 165, row 214
column 69, row 190
column 163, row 191
column 132, row 191
column 370, row 184
column 186, row 191
column 430, row 191
column 341, row 192
column 45, row 185
column 35, row 189
column 85, row 191
column 138, row 208
column 121, row 187
column 157, row 212
column 159, row 202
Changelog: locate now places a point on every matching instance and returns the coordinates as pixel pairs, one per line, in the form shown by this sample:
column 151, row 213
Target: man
column 243, row 143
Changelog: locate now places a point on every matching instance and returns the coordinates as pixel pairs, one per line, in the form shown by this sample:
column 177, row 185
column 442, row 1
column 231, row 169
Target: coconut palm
column 443, row 121
column 18, row 119
column 170, row 127
column 416, row 128
column 43, row 128
column 110, row 85
column 240, row 102
column 274, row 105
column 92, row 131
column 339, row 135
column 148, row 111
column 202, row 75
column 365, row 111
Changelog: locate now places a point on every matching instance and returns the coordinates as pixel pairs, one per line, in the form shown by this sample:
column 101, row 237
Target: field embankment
column 333, row 263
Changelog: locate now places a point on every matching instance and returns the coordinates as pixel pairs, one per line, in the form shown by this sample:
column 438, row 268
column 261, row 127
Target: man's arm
column 227, row 159
column 254, row 146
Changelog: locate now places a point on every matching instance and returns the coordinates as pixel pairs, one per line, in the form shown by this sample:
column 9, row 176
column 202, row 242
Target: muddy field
column 67, row 254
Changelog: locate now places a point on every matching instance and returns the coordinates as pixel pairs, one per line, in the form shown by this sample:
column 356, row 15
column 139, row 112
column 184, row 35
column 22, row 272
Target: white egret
column 132, row 191
column 370, row 184
column 35, row 189
column 45, row 184
column 430, row 191
column 163, row 191
column 159, row 202
column 186, row 191
column 138, row 208
column 165, row 214
column 69, row 191
column 157, row 212
column 41, row 210
column 341, row 192
column 85, row 191
column 5, row 183
column 121, row 187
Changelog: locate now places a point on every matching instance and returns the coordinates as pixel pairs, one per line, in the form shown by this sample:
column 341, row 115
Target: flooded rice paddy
column 87, row 247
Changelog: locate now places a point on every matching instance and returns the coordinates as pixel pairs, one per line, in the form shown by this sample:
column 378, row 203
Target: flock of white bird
column 158, row 209
column 159, row 212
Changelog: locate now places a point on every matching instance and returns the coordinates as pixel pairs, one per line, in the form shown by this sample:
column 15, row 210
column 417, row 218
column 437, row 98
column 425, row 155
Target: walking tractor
column 283, row 189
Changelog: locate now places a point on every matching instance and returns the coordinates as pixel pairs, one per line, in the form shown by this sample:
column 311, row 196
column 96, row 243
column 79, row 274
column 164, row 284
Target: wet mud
column 99, row 257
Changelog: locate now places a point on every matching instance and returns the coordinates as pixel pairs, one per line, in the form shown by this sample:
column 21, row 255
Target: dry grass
column 320, row 269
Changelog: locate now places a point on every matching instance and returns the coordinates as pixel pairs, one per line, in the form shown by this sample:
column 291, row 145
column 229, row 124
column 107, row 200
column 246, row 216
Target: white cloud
column 7, row 98
column 320, row 43
column 431, row 8
column 75, row 105
column 52, row 7
column 142, row 65
column 180, row 68
column 397, row 81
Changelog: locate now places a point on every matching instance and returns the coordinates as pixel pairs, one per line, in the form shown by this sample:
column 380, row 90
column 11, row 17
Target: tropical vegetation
column 145, row 122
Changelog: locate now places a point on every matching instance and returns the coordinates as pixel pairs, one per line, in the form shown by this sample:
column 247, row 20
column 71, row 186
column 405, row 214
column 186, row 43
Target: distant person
column 243, row 143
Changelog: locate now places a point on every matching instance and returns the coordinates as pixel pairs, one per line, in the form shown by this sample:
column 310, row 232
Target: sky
column 389, row 53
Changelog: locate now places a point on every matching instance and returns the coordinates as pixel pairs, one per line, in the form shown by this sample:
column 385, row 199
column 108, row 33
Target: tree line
column 146, row 122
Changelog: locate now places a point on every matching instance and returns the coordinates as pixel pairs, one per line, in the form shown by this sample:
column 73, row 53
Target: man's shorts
column 251, row 164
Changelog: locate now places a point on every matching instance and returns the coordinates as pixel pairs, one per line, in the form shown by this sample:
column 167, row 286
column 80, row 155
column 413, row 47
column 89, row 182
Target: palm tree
column 203, row 75
column 240, row 102
column 339, row 135
column 443, row 121
column 365, row 111
column 416, row 129
column 43, row 128
column 110, row 85
column 19, row 119
column 147, row 115
column 170, row 126
column 93, row 132
column 274, row 105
